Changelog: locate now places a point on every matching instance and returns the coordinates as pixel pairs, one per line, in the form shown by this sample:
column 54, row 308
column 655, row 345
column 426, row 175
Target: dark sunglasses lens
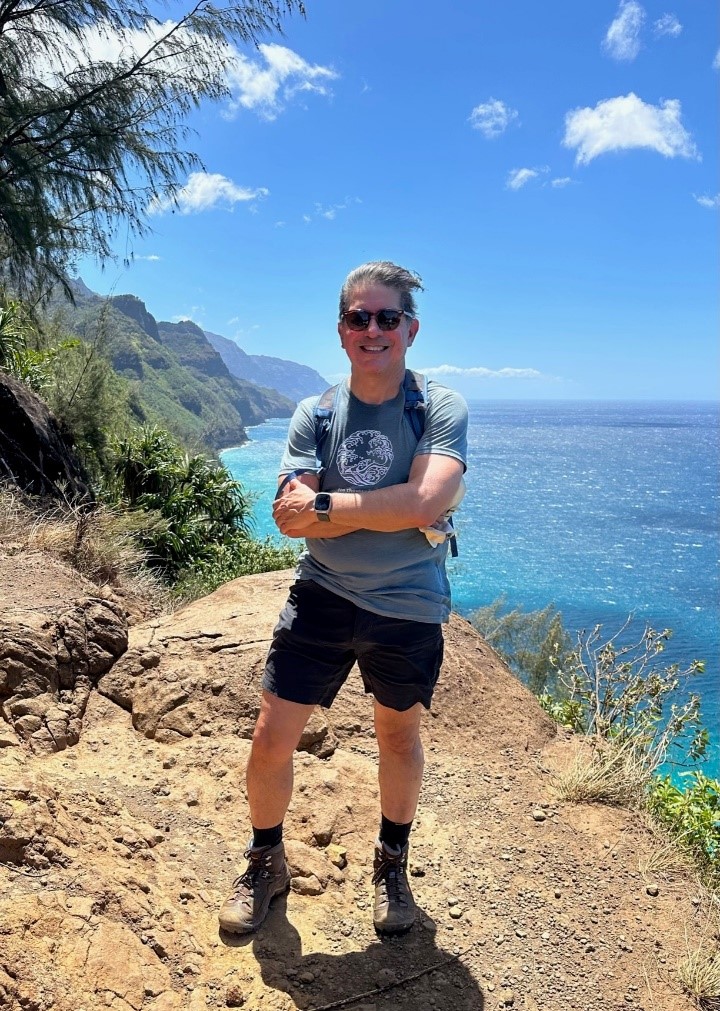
column 388, row 319
column 357, row 319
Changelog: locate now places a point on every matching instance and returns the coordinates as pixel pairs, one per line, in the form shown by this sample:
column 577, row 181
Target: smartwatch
column 323, row 504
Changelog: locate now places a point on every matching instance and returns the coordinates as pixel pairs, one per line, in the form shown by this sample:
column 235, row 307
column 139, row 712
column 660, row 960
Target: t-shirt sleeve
column 300, row 448
column 446, row 424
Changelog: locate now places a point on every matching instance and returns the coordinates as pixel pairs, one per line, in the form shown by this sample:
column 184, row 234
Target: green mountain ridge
column 289, row 378
column 176, row 377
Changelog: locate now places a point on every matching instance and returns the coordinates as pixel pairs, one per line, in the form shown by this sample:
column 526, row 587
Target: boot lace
column 259, row 866
column 390, row 872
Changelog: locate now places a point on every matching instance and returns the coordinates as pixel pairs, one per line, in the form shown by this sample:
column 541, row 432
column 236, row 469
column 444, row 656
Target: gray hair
column 388, row 274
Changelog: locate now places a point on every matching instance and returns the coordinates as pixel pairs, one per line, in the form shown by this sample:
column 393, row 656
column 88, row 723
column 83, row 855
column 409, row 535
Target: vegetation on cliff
column 174, row 377
column 181, row 509
column 638, row 715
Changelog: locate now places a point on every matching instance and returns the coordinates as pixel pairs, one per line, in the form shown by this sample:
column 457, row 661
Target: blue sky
column 550, row 170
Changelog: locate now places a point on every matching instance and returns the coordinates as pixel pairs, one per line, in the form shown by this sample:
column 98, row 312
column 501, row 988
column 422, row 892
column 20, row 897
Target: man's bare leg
column 269, row 786
column 270, row 768
column 400, row 774
column 401, row 761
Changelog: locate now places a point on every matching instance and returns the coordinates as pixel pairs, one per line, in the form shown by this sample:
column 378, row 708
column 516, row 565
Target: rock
column 652, row 890
column 309, row 885
column 234, row 996
column 48, row 665
column 307, row 862
column 539, row 815
column 36, row 454
column 27, row 725
column 386, row 977
column 337, row 855
column 317, row 737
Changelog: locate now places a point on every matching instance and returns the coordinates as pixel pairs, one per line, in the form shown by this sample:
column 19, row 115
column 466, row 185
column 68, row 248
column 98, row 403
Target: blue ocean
column 604, row 509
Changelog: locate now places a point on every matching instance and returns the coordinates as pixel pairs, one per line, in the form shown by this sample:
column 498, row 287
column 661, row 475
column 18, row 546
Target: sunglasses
column 387, row 319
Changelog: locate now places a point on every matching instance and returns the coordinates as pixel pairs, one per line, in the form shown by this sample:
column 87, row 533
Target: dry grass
column 699, row 973
column 664, row 861
column 96, row 542
column 605, row 772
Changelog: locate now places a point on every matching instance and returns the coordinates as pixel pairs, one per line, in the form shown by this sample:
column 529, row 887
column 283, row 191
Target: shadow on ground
column 401, row 973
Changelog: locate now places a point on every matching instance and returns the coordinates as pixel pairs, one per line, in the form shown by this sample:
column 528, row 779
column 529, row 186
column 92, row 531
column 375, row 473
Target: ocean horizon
column 604, row 509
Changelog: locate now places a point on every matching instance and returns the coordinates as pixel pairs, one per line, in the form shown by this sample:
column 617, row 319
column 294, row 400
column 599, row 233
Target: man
column 370, row 587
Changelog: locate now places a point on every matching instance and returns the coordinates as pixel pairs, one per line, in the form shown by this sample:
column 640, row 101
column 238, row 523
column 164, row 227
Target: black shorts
column 320, row 635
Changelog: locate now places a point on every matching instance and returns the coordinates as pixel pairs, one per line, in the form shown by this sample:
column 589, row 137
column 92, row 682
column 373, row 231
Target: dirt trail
column 116, row 853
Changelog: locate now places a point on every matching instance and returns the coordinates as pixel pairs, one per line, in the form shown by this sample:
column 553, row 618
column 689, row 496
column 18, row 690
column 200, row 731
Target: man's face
column 374, row 351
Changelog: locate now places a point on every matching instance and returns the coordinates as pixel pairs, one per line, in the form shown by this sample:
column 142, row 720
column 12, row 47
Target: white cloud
column 712, row 203
column 627, row 122
column 266, row 87
column 194, row 316
column 622, row 41
column 716, row 61
column 330, row 212
column 517, row 178
column 205, row 191
column 478, row 372
column 559, row 183
column 668, row 24
column 152, row 258
column 492, row 118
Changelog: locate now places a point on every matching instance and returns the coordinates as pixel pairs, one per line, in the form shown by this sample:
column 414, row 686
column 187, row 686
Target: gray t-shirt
column 369, row 446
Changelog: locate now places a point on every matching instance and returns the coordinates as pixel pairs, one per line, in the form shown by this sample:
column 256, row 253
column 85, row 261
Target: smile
column 374, row 348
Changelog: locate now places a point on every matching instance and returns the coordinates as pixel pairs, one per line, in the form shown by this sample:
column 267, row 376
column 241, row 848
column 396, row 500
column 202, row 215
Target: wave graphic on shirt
column 364, row 458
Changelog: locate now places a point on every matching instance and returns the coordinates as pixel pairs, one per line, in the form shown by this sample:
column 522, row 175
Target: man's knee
column 278, row 729
column 398, row 733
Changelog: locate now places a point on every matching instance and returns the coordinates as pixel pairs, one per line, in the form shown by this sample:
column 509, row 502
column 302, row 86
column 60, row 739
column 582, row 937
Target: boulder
column 36, row 453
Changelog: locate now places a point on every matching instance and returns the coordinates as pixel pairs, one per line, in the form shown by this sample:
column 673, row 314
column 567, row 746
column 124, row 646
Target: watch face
column 322, row 505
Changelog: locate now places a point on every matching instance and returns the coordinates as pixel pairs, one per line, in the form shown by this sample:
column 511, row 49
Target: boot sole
column 389, row 931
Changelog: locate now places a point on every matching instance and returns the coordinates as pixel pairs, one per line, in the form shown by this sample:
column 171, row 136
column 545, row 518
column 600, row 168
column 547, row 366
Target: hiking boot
column 266, row 876
column 394, row 911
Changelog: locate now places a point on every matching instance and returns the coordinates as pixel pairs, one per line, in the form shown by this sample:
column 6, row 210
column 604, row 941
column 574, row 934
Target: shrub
column 197, row 528
column 97, row 541
column 243, row 557
column 617, row 691
column 691, row 815
column 534, row 644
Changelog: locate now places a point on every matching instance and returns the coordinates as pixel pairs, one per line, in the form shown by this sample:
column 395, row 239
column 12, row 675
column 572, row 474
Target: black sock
column 393, row 834
column 267, row 836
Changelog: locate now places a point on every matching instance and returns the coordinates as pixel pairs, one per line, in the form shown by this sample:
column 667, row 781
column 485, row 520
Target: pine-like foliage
column 94, row 99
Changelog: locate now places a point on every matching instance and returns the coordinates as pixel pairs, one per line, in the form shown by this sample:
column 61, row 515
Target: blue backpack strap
column 291, row 477
column 323, row 413
column 415, row 387
column 416, row 401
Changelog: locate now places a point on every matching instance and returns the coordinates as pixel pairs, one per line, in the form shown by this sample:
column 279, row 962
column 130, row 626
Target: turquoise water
column 603, row 509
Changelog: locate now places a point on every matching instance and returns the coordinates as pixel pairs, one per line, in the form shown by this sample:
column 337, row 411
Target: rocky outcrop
column 35, row 453
column 198, row 672
column 52, row 652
